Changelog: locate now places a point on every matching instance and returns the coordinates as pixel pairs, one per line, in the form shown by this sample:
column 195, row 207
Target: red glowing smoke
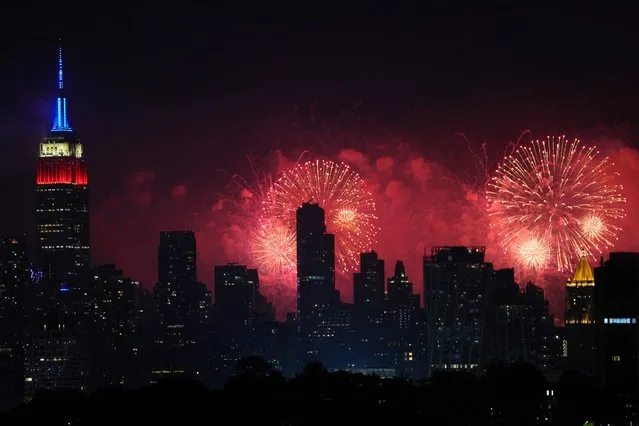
column 421, row 201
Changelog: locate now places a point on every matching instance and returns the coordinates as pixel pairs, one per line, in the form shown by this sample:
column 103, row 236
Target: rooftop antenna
column 61, row 123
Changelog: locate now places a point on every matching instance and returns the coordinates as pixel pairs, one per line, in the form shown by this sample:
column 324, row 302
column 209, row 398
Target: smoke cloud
column 426, row 194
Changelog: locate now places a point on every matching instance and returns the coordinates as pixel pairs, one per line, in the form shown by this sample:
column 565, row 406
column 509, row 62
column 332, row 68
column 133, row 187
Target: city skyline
column 218, row 205
column 188, row 200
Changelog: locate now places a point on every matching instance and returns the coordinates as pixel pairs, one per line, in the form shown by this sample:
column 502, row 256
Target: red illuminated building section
column 62, row 210
column 62, row 171
column 61, row 161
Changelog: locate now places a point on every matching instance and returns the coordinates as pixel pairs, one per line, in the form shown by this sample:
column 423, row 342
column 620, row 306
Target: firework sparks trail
column 483, row 160
column 553, row 199
column 340, row 191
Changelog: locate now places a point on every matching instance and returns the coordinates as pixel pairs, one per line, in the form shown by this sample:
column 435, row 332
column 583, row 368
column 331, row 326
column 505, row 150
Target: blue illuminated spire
column 61, row 123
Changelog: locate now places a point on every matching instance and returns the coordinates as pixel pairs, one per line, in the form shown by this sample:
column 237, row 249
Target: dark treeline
column 515, row 394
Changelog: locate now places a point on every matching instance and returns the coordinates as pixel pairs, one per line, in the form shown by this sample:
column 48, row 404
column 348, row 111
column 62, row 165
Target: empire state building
column 62, row 205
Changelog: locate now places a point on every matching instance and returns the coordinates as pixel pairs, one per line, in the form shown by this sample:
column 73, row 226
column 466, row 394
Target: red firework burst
column 340, row 191
column 554, row 199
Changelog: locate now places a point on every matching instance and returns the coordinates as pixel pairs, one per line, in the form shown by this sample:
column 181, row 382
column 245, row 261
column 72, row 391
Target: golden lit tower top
column 580, row 295
column 583, row 275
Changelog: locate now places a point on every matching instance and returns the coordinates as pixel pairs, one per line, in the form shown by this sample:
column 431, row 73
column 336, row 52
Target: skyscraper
column 616, row 321
column 403, row 323
column 316, row 294
column 368, row 283
column 236, row 293
column 518, row 324
column 580, row 294
column 182, row 302
column 401, row 300
column 176, row 267
column 580, row 318
column 369, row 309
column 55, row 358
column 545, row 344
column 62, row 210
column 14, row 278
column 237, row 304
column 115, row 334
column 455, row 284
column 55, row 350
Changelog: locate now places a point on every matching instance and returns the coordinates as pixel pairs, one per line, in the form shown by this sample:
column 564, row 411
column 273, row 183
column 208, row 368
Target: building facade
column 183, row 306
column 62, row 191
column 115, row 338
column 55, row 343
column 456, row 280
column 403, row 324
column 580, row 319
column 316, row 293
column 55, row 359
column 14, row 280
column 368, row 283
column 616, row 318
column 369, row 312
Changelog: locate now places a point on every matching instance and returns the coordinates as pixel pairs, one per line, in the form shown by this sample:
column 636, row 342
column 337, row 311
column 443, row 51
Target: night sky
column 169, row 102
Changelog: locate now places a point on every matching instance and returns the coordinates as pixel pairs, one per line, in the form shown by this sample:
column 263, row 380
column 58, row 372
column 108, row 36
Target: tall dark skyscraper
column 403, row 323
column 455, row 284
column 369, row 308
column 236, row 292
column 316, row 294
column 182, row 302
column 176, row 259
column 62, row 210
column 14, row 279
column 176, row 278
column 56, row 351
column 518, row 324
column 616, row 321
column 368, row 283
column 580, row 318
column 241, row 314
column 14, row 276
column 116, row 333
column 401, row 299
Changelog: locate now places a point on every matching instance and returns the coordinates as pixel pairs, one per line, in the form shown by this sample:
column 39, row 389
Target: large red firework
column 340, row 191
column 552, row 200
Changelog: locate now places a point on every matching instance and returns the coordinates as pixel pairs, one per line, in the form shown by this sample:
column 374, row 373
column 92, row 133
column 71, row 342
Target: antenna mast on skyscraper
column 61, row 122
column 60, row 75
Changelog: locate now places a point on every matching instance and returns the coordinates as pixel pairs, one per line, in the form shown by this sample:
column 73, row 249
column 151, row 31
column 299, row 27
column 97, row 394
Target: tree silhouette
column 254, row 366
column 506, row 395
column 516, row 393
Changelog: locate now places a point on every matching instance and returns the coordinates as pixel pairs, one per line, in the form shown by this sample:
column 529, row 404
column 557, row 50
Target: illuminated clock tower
column 62, row 209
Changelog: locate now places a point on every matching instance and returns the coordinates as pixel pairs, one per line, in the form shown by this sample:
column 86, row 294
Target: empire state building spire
column 61, row 122
column 62, row 188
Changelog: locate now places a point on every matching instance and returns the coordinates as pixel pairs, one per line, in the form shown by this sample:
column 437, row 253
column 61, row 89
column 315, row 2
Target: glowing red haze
column 420, row 203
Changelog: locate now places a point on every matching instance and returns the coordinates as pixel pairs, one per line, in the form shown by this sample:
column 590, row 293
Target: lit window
column 620, row 320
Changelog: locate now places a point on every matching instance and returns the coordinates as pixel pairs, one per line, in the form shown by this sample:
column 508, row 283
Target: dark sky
column 187, row 90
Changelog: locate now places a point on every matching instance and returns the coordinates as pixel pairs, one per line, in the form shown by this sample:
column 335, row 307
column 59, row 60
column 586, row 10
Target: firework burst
column 532, row 252
column 553, row 199
column 340, row 191
column 271, row 248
